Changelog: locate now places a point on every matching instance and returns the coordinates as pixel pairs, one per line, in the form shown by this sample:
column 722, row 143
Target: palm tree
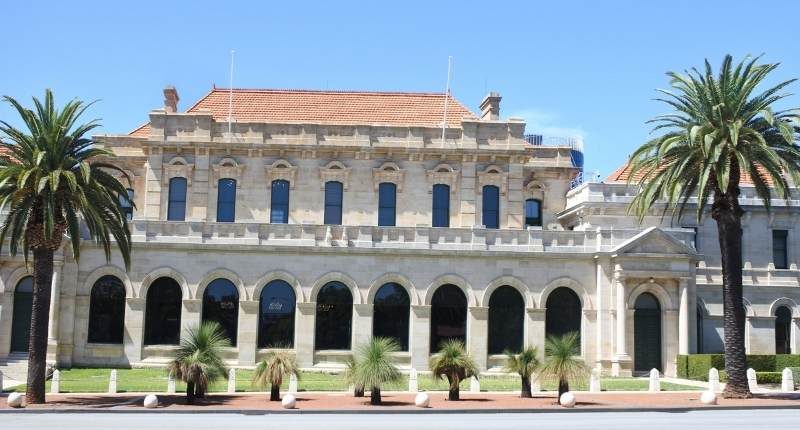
column 523, row 364
column 454, row 363
column 51, row 180
column 198, row 361
column 350, row 376
column 561, row 361
column 720, row 131
column 376, row 366
column 272, row 370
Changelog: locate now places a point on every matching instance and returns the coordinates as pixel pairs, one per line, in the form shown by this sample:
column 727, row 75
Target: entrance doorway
column 646, row 334
column 21, row 318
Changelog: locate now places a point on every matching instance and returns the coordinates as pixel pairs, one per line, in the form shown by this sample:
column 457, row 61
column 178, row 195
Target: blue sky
column 568, row 67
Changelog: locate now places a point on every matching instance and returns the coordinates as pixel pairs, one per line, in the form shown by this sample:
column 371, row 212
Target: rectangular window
column 533, row 213
column 441, row 205
column 780, row 257
column 226, row 200
column 387, row 204
column 491, row 206
column 176, row 210
column 126, row 202
column 333, row 203
column 279, row 202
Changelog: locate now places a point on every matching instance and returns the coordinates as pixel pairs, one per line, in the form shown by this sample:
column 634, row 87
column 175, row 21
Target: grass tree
column 375, row 366
column 562, row 363
column 454, row 363
column 198, row 361
column 52, row 178
column 523, row 364
column 724, row 127
column 350, row 376
column 271, row 371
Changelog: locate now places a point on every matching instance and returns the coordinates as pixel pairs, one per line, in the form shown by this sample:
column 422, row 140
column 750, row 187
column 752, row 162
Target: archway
column 21, row 318
column 646, row 333
column 506, row 320
column 334, row 317
column 563, row 313
column 448, row 316
column 221, row 304
column 391, row 313
column 783, row 331
column 107, row 311
column 163, row 312
column 276, row 315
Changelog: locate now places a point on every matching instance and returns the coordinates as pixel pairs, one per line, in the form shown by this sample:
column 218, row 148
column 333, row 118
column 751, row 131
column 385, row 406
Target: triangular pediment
column 653, row 240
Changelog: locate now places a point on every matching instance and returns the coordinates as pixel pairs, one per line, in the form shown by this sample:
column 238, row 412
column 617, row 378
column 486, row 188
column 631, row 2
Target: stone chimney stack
column 490, row 106
column 171, row 99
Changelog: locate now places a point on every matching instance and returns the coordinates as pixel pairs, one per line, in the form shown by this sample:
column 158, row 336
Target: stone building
column 312, row 220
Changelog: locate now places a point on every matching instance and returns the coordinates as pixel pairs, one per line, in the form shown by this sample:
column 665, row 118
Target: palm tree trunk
column 199, row 391
column 453, row 394
column 727, row 213
column 40, row 320
column 526, row 388
column 563, row 387
column 358, row 391
column 375, row 396
column 189, row 393
column 275, row 393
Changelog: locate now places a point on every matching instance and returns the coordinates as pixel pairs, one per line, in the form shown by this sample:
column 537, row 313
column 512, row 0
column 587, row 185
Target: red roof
column 341, row 107
column 623, row 174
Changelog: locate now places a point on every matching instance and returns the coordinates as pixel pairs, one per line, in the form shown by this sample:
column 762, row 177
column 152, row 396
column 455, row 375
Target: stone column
column 134, row 329
column 362, row 324
column 620, row 366
column 420, row 336
column 684, row 314
column 248, row 332
column 669, row 350
column 55, row 314
column 304, row 334
column 794, row 332
column 535, row 330
column 478, row 335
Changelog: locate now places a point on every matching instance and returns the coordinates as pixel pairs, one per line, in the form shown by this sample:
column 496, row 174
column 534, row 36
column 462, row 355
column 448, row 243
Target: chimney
column 171, row 99
column 490, row 107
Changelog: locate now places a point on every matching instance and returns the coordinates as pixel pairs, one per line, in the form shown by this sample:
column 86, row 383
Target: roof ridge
column 316, row 91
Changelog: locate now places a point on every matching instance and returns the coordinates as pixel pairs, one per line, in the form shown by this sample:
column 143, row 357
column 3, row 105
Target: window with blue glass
column 226, row 200
column 387, row 204
column 279, row 202
column 491, row 206
column 126, row 203
column 441, row 205
column 176, row 210
column 333, row 203
column 533, row 213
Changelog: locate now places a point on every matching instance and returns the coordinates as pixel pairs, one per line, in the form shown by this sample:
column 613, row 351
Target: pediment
column 653, row 240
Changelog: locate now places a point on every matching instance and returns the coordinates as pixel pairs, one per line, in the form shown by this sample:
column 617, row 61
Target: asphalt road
column 706, row 420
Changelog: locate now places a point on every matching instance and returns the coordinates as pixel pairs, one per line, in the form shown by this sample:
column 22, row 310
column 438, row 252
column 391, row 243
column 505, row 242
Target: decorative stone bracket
column 178, row 167
column 281, row 169
column 493, row 175
column 228, row 168
column 443, row 174
column 389, row 172
column 334, row 171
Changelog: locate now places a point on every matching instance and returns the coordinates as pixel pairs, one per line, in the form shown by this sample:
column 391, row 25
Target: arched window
column 21, row 317
column 334, row 317
column 221, row 304
column 333, row 203
column 390, row 314
column 107, row 311
column 491, row 206
column 783, row 331
column 387, row 204
column 700, row 328
column 126, row 202
column 646, row 333
column 533, row 213
column 162, row 324
column 226, row 200
column 563, row 312
column 276, row 315
column 279, row 202
column 448, row 316
column 176, row 210
column 506, row 320
column 441, row 205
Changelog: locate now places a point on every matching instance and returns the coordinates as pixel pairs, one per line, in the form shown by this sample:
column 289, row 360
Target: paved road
column 706, row 420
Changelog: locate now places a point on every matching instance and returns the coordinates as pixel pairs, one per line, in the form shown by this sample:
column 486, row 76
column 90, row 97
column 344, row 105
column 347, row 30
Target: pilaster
column 304, row 337
column 248, row 331
column 420, row 336
column 478, row 335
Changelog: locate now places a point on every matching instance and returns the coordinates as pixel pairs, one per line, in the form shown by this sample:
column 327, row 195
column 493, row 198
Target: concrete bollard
column 713, row 380
column 112, row 382
column 655, row 381
column 55, row 382
column 594, row 381
column 170, row 384
column 413, row 385
column 787, row 380
column 232, row 381
column 752, row 381
column 292, row 384
column 536, row 386
column 474, row 385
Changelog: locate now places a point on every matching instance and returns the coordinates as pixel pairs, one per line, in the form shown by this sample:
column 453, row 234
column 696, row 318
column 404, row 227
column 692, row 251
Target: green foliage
column 53, row 179
column 454, row 363
column 683, row 366
column 199, row 357
column 768, row 377
column 523, row 364
column 761, row 363
column 783, row 361
column 375, row 365
column 273, row 368
column 795, row 375
column 698, row 365
column 562, row 362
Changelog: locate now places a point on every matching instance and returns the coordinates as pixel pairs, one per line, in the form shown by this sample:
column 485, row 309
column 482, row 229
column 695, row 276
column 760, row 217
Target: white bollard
column 413, row 386
column 293, row 383
column 14, row 400
column 594, row 381
column 536, row 386
column 55, row 382
column 567, row 400
column 713, row 380
column 112, row 382
column 288, row 401
column 170, row 384
column 787, row 380
column 232, row 381
column 474, row 385
column 422, row 400
column 655, row 382
column 708, row 398
column 752, row 381
column 150, row 401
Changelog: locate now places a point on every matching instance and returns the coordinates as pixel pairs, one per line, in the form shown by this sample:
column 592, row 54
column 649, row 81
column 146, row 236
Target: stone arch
column 749, row 310
column 513, row 282
column 222, row 273
column 656, row 290
column 164, row 272
column 583, row 295
column 228, row 162
column 443, row 168
column 16, row 276
column 493, row 169
column 339, row 277
column 456, row 280
column 281, row 163
column 389, row 166
column 786, row 302
column 283, row 276
column 335, row 165
column 396, row 278
column 701, row 304
column 178, row 161
column 86, row 287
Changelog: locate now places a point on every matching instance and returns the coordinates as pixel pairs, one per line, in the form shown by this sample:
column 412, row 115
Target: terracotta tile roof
column 623, row 174
column 4, row 152
column 341, row 107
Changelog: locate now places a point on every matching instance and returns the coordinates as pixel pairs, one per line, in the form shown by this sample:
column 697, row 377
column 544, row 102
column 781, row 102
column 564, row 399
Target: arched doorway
column 276, row 315
column 783, row 331
column 333, row 326
column 506, row 320
column 646, row 334
column 107, row 311
column 21, row 318
column 448, row 316
column 221, row 304
column 390, row 314
column 563, row 313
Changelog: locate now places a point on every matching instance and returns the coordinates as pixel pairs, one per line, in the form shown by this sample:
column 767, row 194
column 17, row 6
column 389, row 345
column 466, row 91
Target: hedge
column 696, row 366
column 783, row 361
column 768, row 377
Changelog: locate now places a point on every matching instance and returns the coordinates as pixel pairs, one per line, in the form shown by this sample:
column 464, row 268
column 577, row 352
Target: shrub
column 761, row 363
column 768, row 377
column 698, row 365
column 795, row 375
column 683, row 366
column 783, row 361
